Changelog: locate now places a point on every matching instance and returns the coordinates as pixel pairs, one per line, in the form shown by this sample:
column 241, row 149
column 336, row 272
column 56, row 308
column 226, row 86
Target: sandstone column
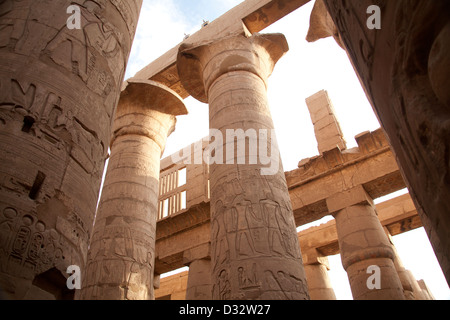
column 413, row 103
column 363, row 245
column 199, row 278
column 121, row 256
column 411, row 289
column 58, row 93
column 316, row 269
column 255, row 253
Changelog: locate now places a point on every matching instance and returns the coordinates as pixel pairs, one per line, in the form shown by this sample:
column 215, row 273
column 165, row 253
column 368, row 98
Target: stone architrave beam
column 397, row 215
column 371, row 165
column 249, row 17
column 403, row 67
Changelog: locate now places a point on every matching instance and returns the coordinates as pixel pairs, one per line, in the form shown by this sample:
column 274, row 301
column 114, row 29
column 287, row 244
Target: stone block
column 197, row 253
column 344, row 199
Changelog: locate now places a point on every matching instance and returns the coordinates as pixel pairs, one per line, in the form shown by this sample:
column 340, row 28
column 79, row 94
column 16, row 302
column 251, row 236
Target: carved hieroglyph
column 58, row 92
column 404, row 69
column 254, row 250
column 122, row 251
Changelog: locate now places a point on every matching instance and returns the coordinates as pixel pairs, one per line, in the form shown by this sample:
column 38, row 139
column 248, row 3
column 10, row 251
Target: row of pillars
column 363, row 243
column 254, row 250
column 58, row 97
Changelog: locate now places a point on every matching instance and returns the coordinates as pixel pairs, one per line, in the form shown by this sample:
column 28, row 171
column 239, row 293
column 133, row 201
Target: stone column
column 199, row 278
column 411, row 288
column 363, row 244
column 255, row 253
column 58, row 93
column 425, row 290
column 121, row 256
column 316, row 269
column 413, row 103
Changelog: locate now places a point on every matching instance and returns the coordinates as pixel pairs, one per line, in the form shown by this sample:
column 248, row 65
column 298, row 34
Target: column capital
column 199, row 65
column 347, row 198
column 147, row 108
column 147, row 94
column 313, row 257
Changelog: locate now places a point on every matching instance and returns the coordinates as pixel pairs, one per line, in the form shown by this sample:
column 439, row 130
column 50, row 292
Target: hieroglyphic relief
column 411, row 47
column 122, row 255
column 246, row 230
column 58, row 92
column 27, row 246
column 52, row 122
column 97, row 53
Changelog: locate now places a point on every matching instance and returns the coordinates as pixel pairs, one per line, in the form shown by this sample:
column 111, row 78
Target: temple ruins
column 226, row 208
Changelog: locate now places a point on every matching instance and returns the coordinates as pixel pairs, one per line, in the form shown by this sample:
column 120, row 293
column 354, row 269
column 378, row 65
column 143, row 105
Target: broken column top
column 326, row 127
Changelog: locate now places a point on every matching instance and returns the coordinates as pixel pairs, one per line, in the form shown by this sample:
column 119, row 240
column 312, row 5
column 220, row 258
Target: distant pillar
column 199, row 277
column 366, row 253
column 425, row 290
column 255, row 253
column 121, row 256
column 199, row 280
column 59, row 89
column 417, row 290
column 411, row 288
column 413, row 102
column 316, row 269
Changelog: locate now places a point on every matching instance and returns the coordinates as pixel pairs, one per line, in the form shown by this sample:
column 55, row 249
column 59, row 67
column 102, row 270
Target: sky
column 306, row 69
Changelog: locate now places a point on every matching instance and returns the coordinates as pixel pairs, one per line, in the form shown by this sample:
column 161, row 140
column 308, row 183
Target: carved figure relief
column 122, row 255
column 251, row 221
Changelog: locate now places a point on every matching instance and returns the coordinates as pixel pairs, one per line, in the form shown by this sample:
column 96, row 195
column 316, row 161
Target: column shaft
column 59, row 89
column 319, row 285
column 413, row 104
column 121, row 256
column 363, row 244
column 254, row 244
column 255, row 253
column 199, row 280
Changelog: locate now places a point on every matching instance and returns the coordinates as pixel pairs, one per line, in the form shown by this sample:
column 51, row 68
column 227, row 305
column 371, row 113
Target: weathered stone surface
column 58, row 94
column 321, row 24
column 363, row 244
column 173, row 287
column 371, row 165
column 412, row 104
column 326, row 127
column 254, row 252
column 316, row 270
column 122, row 250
